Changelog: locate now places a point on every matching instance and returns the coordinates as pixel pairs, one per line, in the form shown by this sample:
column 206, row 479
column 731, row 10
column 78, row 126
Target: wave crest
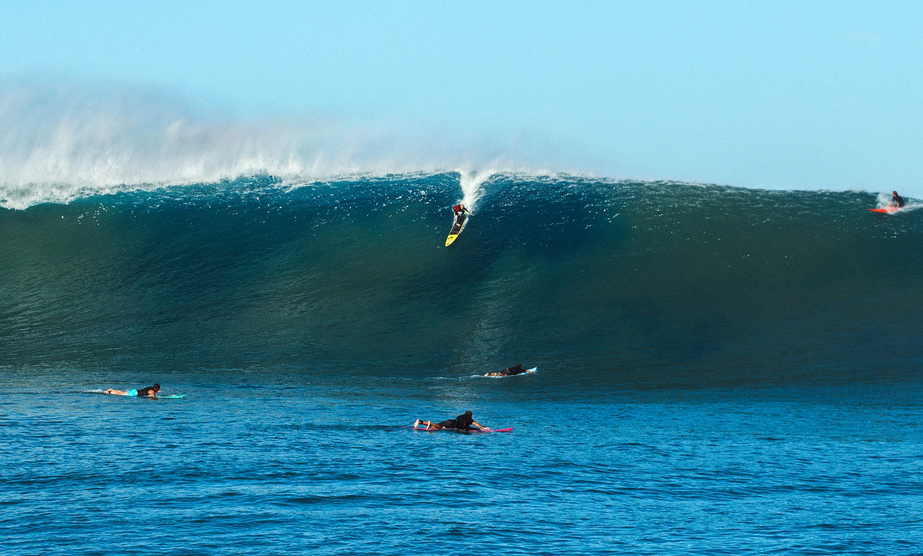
column 62, row 142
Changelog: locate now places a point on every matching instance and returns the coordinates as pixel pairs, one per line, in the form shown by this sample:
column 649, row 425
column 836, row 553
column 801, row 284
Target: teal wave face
column 622, row 283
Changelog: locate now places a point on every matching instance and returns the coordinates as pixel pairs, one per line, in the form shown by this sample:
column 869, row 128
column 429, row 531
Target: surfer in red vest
column 460, row 209
column 462, row 422
column 896, row 200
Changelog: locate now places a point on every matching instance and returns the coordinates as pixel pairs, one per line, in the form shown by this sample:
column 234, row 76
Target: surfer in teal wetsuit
column 148, row 392
column 896, row 200
column 462, row 422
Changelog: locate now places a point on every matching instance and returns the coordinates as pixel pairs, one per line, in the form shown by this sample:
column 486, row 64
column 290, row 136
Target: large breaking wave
column 608, row 283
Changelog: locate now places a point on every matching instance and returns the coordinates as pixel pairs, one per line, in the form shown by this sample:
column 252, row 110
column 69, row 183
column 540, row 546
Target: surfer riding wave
column 461, row 218
column 460, row 209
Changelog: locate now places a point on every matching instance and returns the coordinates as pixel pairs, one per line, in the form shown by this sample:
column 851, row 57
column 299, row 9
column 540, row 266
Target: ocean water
column 721, row 370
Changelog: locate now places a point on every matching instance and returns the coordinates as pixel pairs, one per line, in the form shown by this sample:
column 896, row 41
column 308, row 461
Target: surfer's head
column 156, row 388
column 894, row 194
column 468, row 413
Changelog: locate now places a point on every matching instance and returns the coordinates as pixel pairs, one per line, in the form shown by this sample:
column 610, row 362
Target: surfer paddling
column 896, row 200
column 517, row 370
column 462, row 422
column 148, row 392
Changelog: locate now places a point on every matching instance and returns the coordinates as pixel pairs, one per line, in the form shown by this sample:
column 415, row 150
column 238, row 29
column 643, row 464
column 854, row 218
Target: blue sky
column 782, row 95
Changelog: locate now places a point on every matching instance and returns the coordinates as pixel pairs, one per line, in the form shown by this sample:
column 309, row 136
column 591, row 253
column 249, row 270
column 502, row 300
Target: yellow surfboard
column 457, row 228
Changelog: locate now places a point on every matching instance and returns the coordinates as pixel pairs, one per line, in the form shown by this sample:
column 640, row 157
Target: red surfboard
column 460, row 430
column 886, row 210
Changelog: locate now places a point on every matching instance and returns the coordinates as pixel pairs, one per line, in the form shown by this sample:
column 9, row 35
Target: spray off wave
column 61, row 143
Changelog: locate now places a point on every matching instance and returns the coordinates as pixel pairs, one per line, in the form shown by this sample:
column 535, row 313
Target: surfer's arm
column 478, row 425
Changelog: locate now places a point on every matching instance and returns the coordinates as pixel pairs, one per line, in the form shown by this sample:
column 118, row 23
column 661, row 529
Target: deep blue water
column 720, row 371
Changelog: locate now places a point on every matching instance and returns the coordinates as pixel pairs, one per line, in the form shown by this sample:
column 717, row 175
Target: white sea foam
column 471, row 183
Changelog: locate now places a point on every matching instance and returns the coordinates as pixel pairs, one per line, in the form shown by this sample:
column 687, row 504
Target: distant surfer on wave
column 517, row 370
column 896, row 200
column 148, row 392
column 462, row 422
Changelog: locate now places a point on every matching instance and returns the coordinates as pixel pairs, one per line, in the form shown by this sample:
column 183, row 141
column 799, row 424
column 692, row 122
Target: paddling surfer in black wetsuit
column 517, row 370
column 462, row 423
column 896, row 200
